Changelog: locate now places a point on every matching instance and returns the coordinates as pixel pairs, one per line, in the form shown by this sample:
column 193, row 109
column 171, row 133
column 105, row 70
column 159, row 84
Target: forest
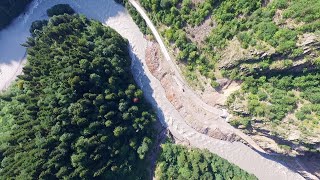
column 10, row 9
column 76, row 112
column 179, row 162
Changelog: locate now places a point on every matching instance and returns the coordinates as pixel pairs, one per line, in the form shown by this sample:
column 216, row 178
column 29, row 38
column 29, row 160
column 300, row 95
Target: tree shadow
column 161, row 126
column 143, row 82
column 297, row 164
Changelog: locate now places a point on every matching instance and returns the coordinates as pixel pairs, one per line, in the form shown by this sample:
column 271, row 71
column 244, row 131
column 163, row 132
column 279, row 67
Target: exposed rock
column 285, row 22
column 308, row 39
column 239, row 108
column 199, row 33
column 222, row 82
column 152, row 55
column 218, row 134
column 248, row 60
column 174, row 93
column 234, row 54
column 294, row 136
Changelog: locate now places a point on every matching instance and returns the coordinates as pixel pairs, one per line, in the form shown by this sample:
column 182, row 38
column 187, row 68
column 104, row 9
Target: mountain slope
column 273, row 47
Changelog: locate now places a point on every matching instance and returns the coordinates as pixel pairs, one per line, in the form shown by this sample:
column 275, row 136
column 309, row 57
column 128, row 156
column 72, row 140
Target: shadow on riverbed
column 299, row 163
column 310, row 163
column 144, row 83
column 17, row 32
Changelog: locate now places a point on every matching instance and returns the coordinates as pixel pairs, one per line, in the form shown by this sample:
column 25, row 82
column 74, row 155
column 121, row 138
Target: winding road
column 115, row 16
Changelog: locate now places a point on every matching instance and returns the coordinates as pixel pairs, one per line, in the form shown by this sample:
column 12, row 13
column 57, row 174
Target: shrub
column 280, row 4
column 214, row 84
column 266, row 30
column 245, row 39
column 285, row 40
column 303, row 10
column 37, row 25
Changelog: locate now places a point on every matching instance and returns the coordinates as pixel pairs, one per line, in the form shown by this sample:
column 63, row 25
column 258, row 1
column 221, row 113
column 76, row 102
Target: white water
column 114, row 15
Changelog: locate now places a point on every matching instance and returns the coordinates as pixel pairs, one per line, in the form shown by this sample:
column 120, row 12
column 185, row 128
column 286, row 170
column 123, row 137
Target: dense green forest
column 178, row 162
column 76, row 112
column 10, row 9
column 277, row 52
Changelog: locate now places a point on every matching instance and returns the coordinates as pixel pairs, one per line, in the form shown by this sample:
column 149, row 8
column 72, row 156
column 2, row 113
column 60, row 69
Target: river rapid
column 12, row 58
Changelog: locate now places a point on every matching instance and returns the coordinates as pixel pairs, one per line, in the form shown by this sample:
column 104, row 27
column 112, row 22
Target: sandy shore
column 114, row 15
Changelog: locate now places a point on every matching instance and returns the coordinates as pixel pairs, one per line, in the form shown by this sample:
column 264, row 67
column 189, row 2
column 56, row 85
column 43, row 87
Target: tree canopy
column 60, row 9
column 74, row 112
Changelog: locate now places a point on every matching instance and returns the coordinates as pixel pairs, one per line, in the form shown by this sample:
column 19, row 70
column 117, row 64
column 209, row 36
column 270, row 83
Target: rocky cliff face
column 252, row 60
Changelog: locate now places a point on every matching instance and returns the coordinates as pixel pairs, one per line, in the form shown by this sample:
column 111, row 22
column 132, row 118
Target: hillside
column 280, row 72
column 270, row 48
